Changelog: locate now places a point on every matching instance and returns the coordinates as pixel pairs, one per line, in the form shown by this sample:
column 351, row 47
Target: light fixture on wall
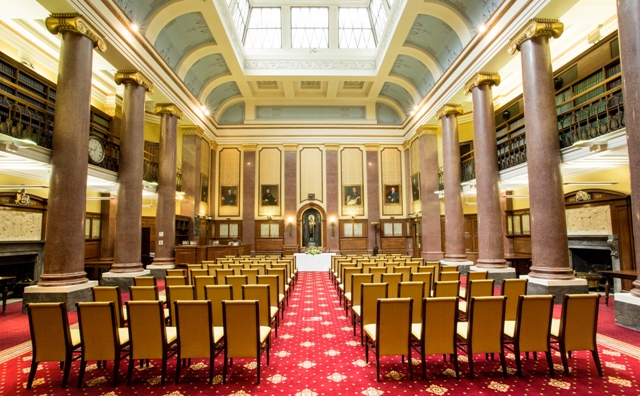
column 21, row 187
column 602, row 183
column 332, row 220
column 290, row 225
column 375, row 225
column 269, row 218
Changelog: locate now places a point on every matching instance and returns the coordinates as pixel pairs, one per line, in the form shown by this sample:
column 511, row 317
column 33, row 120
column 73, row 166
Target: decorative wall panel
column 17, row 225
column 269, row 177
column 391, row 172
column 205, row 166
column 591, row 220
column 353, row 189
column 311, row 173
column 229, row 180
column 416, row 206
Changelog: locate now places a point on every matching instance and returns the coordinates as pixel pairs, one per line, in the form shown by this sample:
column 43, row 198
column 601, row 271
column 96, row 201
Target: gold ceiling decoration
column 537, row 27
column 58, row 23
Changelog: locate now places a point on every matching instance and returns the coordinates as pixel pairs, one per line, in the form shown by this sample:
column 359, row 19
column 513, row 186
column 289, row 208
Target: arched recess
column 398, row 94
column 408, row 86
column 195, row 55
column 427, row 59
column 166, row 14
column 227, row 104
column 444, row 12
column 394, row 105
column 213, row 84
column 300, row 219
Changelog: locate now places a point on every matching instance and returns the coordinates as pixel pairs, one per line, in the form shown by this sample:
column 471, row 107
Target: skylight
column 355, row 29
column 265, row 29
column 241, row 16
column 309, row 27
column 378, row 16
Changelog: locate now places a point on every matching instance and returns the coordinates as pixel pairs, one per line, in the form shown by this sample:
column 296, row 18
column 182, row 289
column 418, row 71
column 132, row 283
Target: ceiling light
column 602, row 183
column 516, row 196
column 21, row 187
column 482, row 28
column 100, row 198
column 134, row 27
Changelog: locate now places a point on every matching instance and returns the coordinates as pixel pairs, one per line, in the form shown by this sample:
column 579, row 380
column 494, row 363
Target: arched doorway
column 311, row 227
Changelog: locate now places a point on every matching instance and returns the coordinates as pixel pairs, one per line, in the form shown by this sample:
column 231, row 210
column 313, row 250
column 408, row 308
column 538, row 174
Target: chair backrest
column 262, row 294
column 200, row 283
column 98, row 330
column 221, row 275
column 144, row 281
column 533, row 322
column 425, row 277
column 196, row 272
column 175, row 280
column 236, row 268
column 347, row 280
column 450, row 276
column 439, row 321
column 261, row 267
column 49, row 326
column 147, row 329
column 370, row 293
column 579, row 321
column 251, row 274
column 110, row 293
column 393, row 326
column 236, row 282
column 367, row 266
column 217, row 294
column 513, row 289
column 415, row 291
column 176, row 272
column 413, row 265
column 486, row 324
column 280, row 272
column 475, row 275
column 194, row 329
column 393, row 280
column 144, row 292
column 405, row 271
column 274, row 287
column 179, row 292
column 446, row 288
column 480, row 287
column 357, row 280
column 241, row 328
column 448, row 268
column 377, row 273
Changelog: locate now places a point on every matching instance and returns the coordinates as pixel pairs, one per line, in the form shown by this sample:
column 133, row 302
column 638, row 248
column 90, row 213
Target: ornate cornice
column 406, row 144
column 248, row 147
column 57, row 23
column 331, row 146
column 449, row 109
column 290, row 147
column 371, row 146
column 168, row 108
column 191, row 130
column 537, row 27
column 318, row 65
column 427, row 130
column 482, row 78
column 134, row 76
column 213, row 145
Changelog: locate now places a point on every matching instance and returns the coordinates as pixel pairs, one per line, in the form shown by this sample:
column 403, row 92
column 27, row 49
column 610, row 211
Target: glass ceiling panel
column 309, row 27
column 265, row 29
column 240, row 16
column 378, row 16
column 355, row 28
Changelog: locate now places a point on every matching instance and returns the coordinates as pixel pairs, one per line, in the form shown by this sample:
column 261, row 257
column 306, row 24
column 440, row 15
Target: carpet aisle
column 317, row 354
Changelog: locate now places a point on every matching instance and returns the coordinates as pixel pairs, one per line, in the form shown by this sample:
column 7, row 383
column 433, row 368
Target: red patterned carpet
column 317, row 354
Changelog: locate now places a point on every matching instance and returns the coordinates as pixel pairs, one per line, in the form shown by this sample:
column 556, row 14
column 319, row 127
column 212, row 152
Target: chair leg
column 67, row 369
column 377, row 366
column 366, row 353
column 424, row 362
column 410, row 366
column 116, row 369
column 516, row 351
column 565, row 363
column 224, row 370
column 504, row 364
column 454, row 357
column 83, row 365
column 32, row 373
column 596, row 360
column 211, row 361
column 130, row 371
column 550, row 363
column 178, row 364
column 259, row 354
column 164, row 369
column 470, row 356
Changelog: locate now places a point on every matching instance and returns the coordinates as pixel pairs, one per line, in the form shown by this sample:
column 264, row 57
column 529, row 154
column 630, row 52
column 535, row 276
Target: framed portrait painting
column 228, row 195
column 392, row 194
column 204, row 184
column 270, row 195
column 415, row 187
column 352, row 195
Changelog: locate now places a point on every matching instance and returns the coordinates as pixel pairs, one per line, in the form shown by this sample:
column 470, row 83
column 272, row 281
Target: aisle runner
column 317, row 354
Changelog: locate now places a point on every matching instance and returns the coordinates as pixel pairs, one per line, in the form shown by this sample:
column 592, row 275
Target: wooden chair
column 282, row 286
column 175, row 281
column 261, row 267
column 144, row 281
column 149, row 293
column 531, row 330
column 354, row 295
column 512, row 289
column 244, row 337
column 472, row 275
column 483, row 331
column 236, row 282
column 149, row 337
column 111, row 293
column 262, row 294
column 367, row 266
column 179, row 292
column 221, row 275
column 197, row 338
column 276, row 298
column 200, row 282
column 251, row 274
column 405, row 271
column 426, row 278
column 393, row 280
column 217, row 294
column 436, row 334
column 51, row 338
column 446, row 288
column 477, row 288
column 102, row 339
column 448, row 268
column 236, row 268
column 346, row 285
column 391, row 333
column 196, row 272
column 365, row 313
column 577, row 327
column 415, row 291
column 176, row 272
column 450, row 276
column 377, row 273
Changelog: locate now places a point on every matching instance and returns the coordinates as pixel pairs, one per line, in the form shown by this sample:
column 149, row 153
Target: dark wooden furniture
column 5, row 281
column 609, row 275
column 521, row 262
column 199, row 253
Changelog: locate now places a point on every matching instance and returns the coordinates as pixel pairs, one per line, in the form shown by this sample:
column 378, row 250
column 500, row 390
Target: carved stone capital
column 213, row 145
column 371, row 146
column 406, row 144
column 134, row 76
column 449, row 109
column 248, row 147
column 290, row 147
column 535, row 28
column 426, row 130
column 482, row 78
column 57, row 23
column 168, row 108
column 331, row 146
column 192, row 130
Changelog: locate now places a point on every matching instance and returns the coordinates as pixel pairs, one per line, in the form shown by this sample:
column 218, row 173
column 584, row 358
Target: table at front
column 4, row 284
column 609, row 275
column 313, row 262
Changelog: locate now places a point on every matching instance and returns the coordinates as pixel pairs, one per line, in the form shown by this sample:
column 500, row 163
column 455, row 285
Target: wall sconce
column 269, row 218
column 290, row 225
column 332, row 220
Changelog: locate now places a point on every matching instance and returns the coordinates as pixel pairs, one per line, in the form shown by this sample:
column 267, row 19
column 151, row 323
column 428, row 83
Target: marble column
column 373, row 195
column 408, row 198
column 333, row 204
column 127, row 247
column 290, row 245
column 249, row 196
column 191, row 153
column 431, row 231
column 453, row 213
column 166, row 204
column 108, row 209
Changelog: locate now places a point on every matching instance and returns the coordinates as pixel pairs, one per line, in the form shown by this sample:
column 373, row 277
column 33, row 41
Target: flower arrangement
column 313, row 250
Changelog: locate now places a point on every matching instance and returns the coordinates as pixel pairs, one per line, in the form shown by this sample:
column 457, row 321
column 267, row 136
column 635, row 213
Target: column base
column 627, row 310
column 498, row 274
column 159, row 271
column 558, row 288
column 463, row 266
column 432, row 256
column 69, row 295
column 122, row 279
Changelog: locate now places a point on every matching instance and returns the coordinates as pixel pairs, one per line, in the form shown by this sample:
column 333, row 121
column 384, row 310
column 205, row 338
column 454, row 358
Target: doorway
column 311, row 228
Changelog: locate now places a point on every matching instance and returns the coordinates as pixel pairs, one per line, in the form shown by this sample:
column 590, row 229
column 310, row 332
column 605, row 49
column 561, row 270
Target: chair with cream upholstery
column 282, row 284
column 200, row 282
column 367, row 266
column 448, row 268
column 251, row 274
column 236, row 282
column 144, row 281
column 436, row 334
column 179, row 292
column 405, row 271
column 512, row 289
column 377, row 273
column 483, row 331
column 102, row 339
column 221, row 275
column 365, row 312
column 477, row 288
column 197, row 338
column 393, row 279
column 415, row 291
column 346, row 285
column 236, row 268
column 262, row 294
column 390, row 335
column 426, row 278
column 149, row 337
column 531, row 330
column 449, row 276
column 176, row 272
column 149, row 293
column 175, row 281
column 261, row 267
column 577, row 327
column 244, row 337
column 354, row 295
column 217, row 294
column 197, row 272
column 276, row 298
column 111, row 293
column 472, row 275
column 51, row 338
column 446, row 288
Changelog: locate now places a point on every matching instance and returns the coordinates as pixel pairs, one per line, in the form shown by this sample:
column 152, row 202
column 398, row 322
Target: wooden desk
column 5, row 281
column 609, row 275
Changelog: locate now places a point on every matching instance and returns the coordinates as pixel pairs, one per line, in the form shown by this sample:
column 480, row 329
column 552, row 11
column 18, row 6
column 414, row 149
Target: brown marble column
column 108, row 210
column 453, row 213
column 166, row 211
column 249, row 196
column 490, row 249
column 430, row 222
column 127, row 247
column 64, row 247
column 290, row 193
column 549, row 246
column 191, row 153
column 629, row 25
column 333, row 204
column 373, row 195
column 408, row 198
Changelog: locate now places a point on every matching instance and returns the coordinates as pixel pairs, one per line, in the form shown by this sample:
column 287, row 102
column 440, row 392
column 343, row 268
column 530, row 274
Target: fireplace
column 593, row 253
column 22, row 259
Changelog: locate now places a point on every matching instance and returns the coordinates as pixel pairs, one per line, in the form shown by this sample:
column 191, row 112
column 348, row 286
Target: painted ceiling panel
column 399, row 94
column 205, row 70
column 139, row 11
column 233, row 115
column 182, row 35
column 435, row 37
column 220, row 94
column 311, row 113
column 413, row 71
column 386, row 115
column 474, row 12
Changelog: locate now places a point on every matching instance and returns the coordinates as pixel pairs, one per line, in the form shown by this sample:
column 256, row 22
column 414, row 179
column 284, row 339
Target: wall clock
column 96, row 150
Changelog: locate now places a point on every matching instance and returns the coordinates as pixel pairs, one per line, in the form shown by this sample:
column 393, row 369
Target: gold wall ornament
column 192, row 130
column 290, row 147
column 371, row 146
column 482, row 78
column 449, row 109
column 331, row 146
column 168, row 108
column 135, row 76
column 213, row 145
column 535, row 28
column 57, row 23
column 406, row 144
column 248, row 147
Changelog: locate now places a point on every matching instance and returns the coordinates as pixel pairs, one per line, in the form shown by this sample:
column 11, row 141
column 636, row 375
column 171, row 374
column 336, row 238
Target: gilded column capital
column 449, row 109
column 427, row 130
column 134, row 76
column 213, row 145
column 535, row 28
column 371, row 146
column 248, row 147
column 482, row 78
column 194, row 130
column 331, row 146
column 290, row 147
column 406, row 145
column 168, row 108
column 57, row 23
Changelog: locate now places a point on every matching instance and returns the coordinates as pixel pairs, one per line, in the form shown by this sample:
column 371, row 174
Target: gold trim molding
column 168, row 108
column 371, row 146
column 482, row 78
column 290, row 147
column 213, row 145
column 535, row 28
column 57, row 23
column 449, row 109
column 249, row 147
column 191, row 130
column 331, row 147
column 134, row 76
column 407, row 144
